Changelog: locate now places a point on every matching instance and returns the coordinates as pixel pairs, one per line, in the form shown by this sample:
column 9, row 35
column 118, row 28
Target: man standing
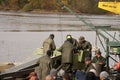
column 67, row 54
column 99, row 59
column 49, row 44
column 45, row 65
column 75, row 51
column 85, row 46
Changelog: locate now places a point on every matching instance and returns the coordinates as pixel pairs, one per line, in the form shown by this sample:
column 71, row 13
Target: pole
column 107, row 54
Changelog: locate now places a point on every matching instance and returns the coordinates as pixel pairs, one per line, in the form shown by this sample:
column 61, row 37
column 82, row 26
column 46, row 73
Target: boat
column 22, row 70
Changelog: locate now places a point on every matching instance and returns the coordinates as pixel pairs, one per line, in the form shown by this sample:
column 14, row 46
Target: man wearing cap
column 49, row 44
column 99, row 59
column 75, row 50
column 67, row 54
column 85, row 46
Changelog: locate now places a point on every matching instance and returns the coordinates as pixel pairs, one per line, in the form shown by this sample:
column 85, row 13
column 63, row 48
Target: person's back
column 99, row 58
column 75, row 43
column 49, row 44
column 66, row 49
column 45, row 65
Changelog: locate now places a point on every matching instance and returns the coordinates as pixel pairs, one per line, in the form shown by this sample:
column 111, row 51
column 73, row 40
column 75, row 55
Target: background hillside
column 81, row 6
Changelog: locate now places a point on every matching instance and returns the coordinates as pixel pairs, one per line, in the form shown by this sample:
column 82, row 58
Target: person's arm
column 60, row 49
column 79, row 47
column 94, row 59
column 53, row 45
column 103, row 61
column 89, row 47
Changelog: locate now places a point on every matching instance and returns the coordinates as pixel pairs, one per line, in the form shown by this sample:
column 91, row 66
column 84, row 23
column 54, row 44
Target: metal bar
column 113, row 59
column 107, row 54
column 111, row 35
column 101, row 43
column 93, row 27
column 72, row 12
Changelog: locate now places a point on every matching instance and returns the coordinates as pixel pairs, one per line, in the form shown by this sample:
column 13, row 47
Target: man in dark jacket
column 49, row 44
column 45, row 65
column 85, row 46
column 75, row 50
column 99, row 59
column 67, row 54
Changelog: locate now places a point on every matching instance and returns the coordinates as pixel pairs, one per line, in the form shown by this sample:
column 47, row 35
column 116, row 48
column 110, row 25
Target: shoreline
column 53, row 12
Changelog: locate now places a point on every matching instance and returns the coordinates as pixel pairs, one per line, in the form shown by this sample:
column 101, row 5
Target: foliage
column 0, row 1
column 12, row 4
column 84, row 6
column 27, row 7
column 22, row 3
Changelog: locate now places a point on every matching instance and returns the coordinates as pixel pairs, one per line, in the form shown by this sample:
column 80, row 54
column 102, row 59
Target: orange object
column 117, row 66
column 32, row 76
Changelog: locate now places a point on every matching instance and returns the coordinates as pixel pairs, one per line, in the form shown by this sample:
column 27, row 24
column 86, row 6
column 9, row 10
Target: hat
column 68, row 36
column 104, row 75
column 87, row 59
column 51, row 34
column 94, row 71
column 82, row 38
column 98, row 52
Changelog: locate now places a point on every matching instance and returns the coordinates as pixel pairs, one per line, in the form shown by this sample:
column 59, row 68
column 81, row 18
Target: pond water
column 22, row 33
